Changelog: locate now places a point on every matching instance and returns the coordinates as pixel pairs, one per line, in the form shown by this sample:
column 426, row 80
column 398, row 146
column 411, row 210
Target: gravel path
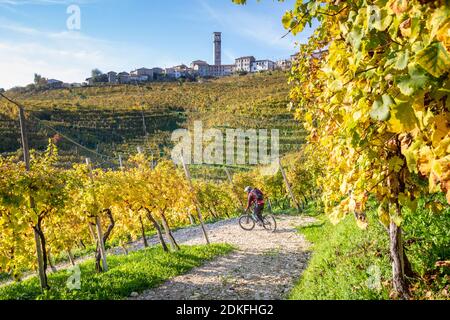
column 264, row 266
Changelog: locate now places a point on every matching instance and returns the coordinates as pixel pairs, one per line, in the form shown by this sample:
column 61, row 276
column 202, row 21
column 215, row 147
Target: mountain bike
column 250, row 220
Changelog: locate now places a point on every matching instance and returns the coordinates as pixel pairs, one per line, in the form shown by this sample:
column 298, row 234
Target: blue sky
column 122, row 35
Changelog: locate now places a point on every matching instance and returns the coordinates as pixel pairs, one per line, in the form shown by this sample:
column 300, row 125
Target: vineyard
column 62, row 206
column 364, row 120
column 115, row 120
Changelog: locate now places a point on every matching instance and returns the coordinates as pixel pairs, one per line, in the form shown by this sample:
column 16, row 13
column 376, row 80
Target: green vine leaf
column 435, row 59
column 381, row 109
column 416, row 80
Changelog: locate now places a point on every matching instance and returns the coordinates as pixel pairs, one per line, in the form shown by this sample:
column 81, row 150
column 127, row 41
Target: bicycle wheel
column 270, row 224
column 247, row 223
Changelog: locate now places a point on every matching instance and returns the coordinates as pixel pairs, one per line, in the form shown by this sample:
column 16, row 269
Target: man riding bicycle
column 255, row 197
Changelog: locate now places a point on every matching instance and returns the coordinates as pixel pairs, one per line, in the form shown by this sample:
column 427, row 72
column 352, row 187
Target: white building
column 146, row 74
column 142, row 72
column 203, row 69
column 222, row 70
column 200, row 68
column 178, row 71
column 284, row 64
column 112, row 77
column 123, row 77
column 157, row 72
column 262, row 65
column 244, row 64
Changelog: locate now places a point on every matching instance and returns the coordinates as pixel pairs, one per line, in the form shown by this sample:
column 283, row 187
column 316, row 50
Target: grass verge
column 343, row 260
column 135, row 272
column 352, row 264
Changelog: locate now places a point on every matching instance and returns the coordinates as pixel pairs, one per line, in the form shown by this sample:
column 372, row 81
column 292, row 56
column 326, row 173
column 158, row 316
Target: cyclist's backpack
column 259, row 195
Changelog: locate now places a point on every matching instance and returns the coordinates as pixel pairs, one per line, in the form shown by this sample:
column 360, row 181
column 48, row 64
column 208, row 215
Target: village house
column 123, row 77
column 141, row 75
column 262, row 65
column 244, row 64
column 54, row 84
column 203, row 69
column 178, row 71
column 157, row 73
column 199, row 68
column 284, row 64
column 150, row 74
column 221, row 70
column 112, row 77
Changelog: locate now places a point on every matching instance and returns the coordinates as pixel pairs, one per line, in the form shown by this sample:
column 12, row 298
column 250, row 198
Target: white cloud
column 66, row 55
column 19, row 62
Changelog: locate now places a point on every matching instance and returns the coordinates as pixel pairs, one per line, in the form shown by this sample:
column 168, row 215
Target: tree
column 372, row 88
column 98, row 76
column 39, row 81
column 138, row 183
column 32, row 198
column 96, row 73
column 94, row 194
column 16, row 242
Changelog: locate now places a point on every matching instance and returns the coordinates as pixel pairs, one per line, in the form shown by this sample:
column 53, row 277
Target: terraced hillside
column 115, row 120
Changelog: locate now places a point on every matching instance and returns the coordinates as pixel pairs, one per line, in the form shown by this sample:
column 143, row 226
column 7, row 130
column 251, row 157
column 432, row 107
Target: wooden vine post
column 288, row 186
column 98, row 223
column 37, row 239
column 197, row 203
column 120, row 162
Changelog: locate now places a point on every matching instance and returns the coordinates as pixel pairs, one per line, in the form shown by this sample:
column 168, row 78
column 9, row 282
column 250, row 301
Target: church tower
column 217, row 48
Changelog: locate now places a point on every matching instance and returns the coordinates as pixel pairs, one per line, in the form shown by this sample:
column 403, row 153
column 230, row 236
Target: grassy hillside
column 111, row 119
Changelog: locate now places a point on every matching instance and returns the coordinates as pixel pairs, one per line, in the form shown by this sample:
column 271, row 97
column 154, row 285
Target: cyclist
column 255, row 197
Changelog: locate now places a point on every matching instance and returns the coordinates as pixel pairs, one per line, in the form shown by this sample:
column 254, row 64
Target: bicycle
column 248, row 222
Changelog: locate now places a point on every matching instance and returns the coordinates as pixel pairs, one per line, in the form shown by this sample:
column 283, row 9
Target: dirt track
column 264, row 266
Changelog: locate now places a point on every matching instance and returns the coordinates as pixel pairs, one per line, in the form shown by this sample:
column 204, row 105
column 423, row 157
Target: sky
column 122, row 35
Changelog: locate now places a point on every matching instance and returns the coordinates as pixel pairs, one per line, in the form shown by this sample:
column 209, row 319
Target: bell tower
column 217, row 48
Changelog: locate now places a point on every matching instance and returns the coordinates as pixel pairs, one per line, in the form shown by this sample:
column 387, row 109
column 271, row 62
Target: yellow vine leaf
column 441, row 127
column 396, row 164
column 424, row 160
column 402, row 118
column 438, row 21
column 435, row 59
column 383, row 215
column 399, row 6
column 412, row 154
column 443, row 35
column 443, row 147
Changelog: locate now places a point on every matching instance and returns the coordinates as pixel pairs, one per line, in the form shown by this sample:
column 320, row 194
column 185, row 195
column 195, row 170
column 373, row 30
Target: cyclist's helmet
column 248, row 189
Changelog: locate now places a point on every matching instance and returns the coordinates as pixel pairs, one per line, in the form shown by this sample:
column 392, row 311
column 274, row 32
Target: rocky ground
column 264, row 266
